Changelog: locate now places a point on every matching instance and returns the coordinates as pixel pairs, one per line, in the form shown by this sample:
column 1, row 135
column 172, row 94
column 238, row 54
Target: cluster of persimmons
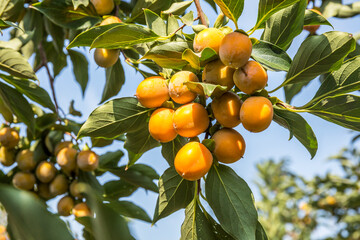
column 189, row 118
column 57, row 175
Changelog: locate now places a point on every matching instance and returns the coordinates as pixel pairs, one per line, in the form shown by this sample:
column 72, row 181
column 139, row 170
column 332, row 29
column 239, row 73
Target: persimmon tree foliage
column 197, row 86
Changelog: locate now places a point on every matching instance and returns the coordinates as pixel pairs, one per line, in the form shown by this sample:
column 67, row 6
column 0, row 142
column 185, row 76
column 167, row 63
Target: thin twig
column 200, row 13
column 44, row 62
column 184, row 25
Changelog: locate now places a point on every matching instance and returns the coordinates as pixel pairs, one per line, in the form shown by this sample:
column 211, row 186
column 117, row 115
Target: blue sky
column 272, row 143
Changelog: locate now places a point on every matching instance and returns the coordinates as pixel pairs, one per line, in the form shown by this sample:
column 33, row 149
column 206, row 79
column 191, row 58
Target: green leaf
column 155, row 23
column 125, row 35
column 31, row 90
column 231, row 8
column 282, row 27
column 115, row 79
column 191, row 57
column 188, row 18
column 335, row 8
column 298, row 127
column 270, row 56
column 5, row 24
column 22, row 208
column 139, row 175
column 118, row 189
column 195, row 225
column 11, row 9
column 174, row 193
column 260, row 232
column 18, row 105
column 61, row 12
column 140, row 141
column 18, row 42
column 14, row 63
column 317, row 55
column 115, row 117
column 90, row 179
column 177, row 8
column 269, row 7
column 218, row 230
column 78, row 3
column 343, row 110
column 129, row 209
column 80, row 68
column 156, row 6
column 57, row 34
column 314, row 18
column 170, row 149
column 344, row 80
column 110, row 159
column 232, row 202
column 168, row 55
column 206, row 89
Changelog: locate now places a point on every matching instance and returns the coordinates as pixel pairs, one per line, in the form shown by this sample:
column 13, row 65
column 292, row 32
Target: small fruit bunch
column 181, row 111
column 47, row 178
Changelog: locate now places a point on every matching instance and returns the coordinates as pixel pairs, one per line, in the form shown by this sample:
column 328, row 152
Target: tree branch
column 200, row 13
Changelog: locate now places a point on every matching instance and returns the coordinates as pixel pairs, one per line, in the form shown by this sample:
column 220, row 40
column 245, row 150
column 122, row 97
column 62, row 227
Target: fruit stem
column 200, row 13
column 198, row 187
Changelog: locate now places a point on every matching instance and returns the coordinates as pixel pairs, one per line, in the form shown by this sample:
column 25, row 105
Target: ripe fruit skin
column 9, row 137
column 210, row 37
column 191, row 120
column 62, row 145
column 217, row 73
column 256, row 114
column 25, row 160
column 45, row 171
column 59, row 185
column 7, row 156
column 152, row 92
column 24, row 180
column 110, row 20
column 251, row 77
column 235, row 49
column 43, row 190
column 65, row 205
column 81, row 210
column 226, row 109
column 161, row 126
column 330, row 200
column 74, row 189
column 103, row 7
column 193, row 161
column 179, row 92
column 229, row 145
column 87, row 160
column 66, row 158
column 106, row 57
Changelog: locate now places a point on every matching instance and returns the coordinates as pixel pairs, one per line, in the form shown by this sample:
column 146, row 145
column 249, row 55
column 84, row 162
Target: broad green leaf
column 125, row 35
column 62, row 13
column 231, row 8
column 282, row 27
column 140, row 141
column 129, row 209
column 139, row 175
column 119, row 188
column 31, row 90
column 156, row 6
column 115, row 79
column 18, row 42
column 232, row 202
column 206, row 89
column 14, row 63
column 86, row 38
column 115, row 117
column 177, row 8
column 46, row 121
column 344, row 80
column 195, row 225
column 260, row 232
column 314, row 18
column 188, row 18
column 57, row 34
column 317, row 55
column 269, row 7
column 6, row 112
column 170, row 149
column 155, row 22
column 90, row 179
column 80, row 68
column 110, row 159
column 174, row 193
column 221, row 21
column 77, row 3
column 343, row 110
column 191, row 57
column 335, row 8
column 168, row 55
column 11, row 9
column 219, row 232
column 270, row 56
column 297, row 127
column 18, row 105
column 22, row 208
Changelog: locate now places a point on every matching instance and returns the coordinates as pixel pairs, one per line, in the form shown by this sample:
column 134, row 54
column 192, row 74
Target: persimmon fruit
column 229, row 145
column 161, row 126
column 226, row 109
column 152, row 92
column 251, row 77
